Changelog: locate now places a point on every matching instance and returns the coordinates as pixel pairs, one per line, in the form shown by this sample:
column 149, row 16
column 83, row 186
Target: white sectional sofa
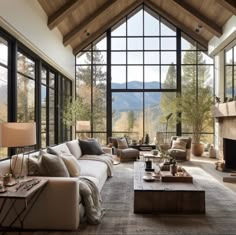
column 59, row 206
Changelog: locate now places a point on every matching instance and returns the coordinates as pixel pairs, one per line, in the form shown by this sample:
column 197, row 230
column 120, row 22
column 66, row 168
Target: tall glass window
column 3, row 87
column 91, row 90
column 47, row 107
column 197, row 70
column 35, row 92
column 64, row 95
column 143, row 65
column 25, row 88
column 230, row 74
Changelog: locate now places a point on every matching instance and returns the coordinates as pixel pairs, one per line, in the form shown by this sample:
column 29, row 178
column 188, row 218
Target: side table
column 27, row 192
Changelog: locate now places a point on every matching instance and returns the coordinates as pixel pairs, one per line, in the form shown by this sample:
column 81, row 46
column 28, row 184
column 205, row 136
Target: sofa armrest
column 57, row 206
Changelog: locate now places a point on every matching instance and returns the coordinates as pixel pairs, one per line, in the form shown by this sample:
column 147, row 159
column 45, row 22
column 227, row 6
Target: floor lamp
column 167, row 119
column 18, row 135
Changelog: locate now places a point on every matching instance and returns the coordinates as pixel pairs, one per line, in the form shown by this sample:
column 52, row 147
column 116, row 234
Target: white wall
column 229, row 34
column 26, row 20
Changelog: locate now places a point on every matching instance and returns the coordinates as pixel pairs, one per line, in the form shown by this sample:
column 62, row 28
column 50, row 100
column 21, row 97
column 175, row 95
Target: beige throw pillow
column 122, row 143
column 74, row 148
column 71, row 164
column 179, row 144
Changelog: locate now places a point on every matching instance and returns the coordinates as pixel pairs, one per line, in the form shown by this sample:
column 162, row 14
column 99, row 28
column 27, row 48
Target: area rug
column 119, row 219
column 117, row 195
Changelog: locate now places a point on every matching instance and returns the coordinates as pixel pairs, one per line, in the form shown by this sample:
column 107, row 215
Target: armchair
column 122, row 149
column 180, row 147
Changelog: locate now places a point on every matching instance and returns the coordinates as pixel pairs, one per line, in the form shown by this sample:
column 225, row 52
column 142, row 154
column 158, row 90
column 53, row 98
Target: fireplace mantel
column 227, row 109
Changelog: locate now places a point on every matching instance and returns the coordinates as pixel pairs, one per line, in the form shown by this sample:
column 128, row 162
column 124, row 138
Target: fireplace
column 229, row 150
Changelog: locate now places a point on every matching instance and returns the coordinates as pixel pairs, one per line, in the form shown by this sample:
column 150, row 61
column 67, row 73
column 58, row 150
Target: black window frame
column 178, row 64
column 232, row 65
column 14, row 46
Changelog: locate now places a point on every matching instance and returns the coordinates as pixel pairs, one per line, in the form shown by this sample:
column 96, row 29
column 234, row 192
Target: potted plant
column 195, row 112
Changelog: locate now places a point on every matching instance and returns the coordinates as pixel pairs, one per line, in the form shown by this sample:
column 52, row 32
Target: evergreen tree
column 131, row 119
column 196, row 95
column 25, row 89
column 92, row 79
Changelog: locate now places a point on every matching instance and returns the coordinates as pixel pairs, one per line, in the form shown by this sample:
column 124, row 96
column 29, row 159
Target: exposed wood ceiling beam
column 177, row 23
column 228, row 4
column 65, row 10
column 203, row 20
column 69, row 37
column 107, row 26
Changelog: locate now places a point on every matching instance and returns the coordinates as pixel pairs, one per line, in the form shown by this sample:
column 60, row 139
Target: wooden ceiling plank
column 116, row 19
column 228, row 4
column 62, row 12
column 177, row 23
column 202, row 19
column 69, row 37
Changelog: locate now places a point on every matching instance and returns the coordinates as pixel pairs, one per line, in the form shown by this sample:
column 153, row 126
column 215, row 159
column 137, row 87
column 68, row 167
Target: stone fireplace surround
column 227, row 133
column 225, row 115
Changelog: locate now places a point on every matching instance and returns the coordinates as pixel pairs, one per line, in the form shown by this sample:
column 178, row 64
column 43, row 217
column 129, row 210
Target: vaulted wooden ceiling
column 82, row 21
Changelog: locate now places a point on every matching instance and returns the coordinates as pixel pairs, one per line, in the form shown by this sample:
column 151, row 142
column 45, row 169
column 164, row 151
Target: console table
column 27, row 193
column 166, row 197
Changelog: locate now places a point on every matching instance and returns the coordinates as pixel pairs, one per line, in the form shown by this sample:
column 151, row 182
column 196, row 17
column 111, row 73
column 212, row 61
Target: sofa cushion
column 58, row 149
column 71, row 164
column 90, row 147
column 54, row 165
column 74, row 148
column 94, row 169
column 179, row 144
column 187, row 139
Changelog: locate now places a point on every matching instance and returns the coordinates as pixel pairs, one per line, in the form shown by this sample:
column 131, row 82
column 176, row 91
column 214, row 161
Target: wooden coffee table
column 166, row 197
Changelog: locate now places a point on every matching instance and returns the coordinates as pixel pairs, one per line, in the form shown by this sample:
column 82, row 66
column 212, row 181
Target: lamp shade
column 17, row 134
column 83, row 126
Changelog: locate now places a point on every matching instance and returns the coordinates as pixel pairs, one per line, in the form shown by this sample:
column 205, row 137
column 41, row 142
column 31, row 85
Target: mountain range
column 123, row 101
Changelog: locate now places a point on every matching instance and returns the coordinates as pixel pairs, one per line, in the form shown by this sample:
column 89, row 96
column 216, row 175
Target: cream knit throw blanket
column 106, row 158
column 91, row 199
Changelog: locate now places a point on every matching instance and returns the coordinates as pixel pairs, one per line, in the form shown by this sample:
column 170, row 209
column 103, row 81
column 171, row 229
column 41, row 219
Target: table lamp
column 18, row 135
column 83, row 126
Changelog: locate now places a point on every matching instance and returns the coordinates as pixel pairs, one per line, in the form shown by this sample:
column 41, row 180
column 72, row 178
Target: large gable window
column 145, row 64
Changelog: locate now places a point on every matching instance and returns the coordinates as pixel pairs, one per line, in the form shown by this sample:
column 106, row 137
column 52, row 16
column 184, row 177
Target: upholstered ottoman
column 128, row 154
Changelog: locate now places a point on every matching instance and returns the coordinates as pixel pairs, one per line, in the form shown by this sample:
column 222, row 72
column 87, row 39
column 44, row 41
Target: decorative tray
column 181, row 176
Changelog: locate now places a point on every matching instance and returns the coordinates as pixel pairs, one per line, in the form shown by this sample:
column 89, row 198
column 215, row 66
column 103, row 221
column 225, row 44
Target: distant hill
column 123, row 101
